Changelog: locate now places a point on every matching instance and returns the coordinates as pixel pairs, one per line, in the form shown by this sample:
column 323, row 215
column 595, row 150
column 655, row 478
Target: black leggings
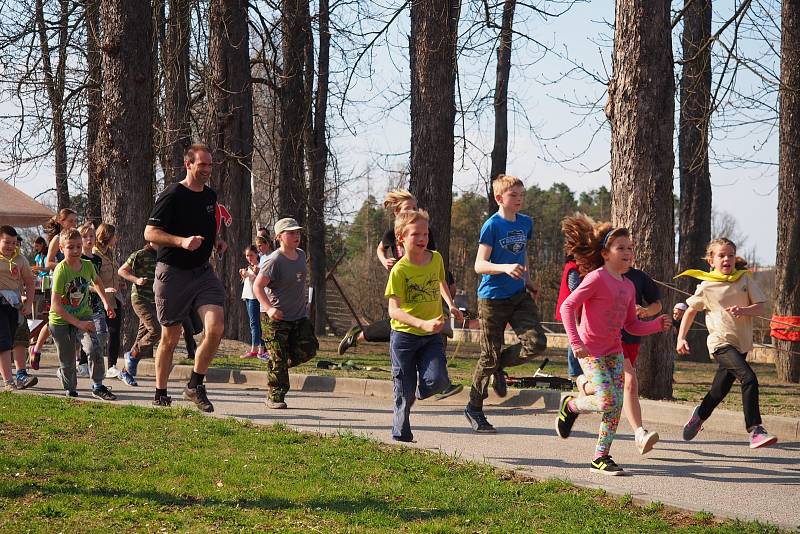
column 114, row 334
column 732, row 367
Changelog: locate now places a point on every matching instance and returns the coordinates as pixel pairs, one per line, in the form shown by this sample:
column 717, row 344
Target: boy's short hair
column 85, row 227
column 405, row 218
column 10, row 231
column 504, row 182
column 68, row 235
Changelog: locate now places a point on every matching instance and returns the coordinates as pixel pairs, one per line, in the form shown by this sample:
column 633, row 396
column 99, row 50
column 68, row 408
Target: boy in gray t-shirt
column 280, row 287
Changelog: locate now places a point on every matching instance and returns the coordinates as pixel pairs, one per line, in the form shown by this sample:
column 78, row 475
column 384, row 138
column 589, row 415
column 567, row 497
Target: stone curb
column 663, row 412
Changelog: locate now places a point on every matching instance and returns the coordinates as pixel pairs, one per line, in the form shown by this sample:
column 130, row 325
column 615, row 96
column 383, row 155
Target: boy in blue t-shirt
column 502, row 261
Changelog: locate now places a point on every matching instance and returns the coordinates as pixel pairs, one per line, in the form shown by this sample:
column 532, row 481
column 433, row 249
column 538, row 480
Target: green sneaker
column 565, row 418
column 606, row 466
column 349, row 340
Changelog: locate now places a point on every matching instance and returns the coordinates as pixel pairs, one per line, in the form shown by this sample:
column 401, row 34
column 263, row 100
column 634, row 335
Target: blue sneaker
column 131, row 364
column 128, row 378
column 24, row 380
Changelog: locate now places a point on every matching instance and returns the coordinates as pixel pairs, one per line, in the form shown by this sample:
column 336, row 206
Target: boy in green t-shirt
column 140, row 270
column 415, row 289
column 71, row 316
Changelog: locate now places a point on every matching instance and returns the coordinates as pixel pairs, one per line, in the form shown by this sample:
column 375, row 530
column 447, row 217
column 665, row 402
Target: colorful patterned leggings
column 605, row 373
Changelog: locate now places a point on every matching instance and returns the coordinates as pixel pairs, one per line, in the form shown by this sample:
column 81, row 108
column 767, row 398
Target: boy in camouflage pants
column 140, row 270
column 280, row 287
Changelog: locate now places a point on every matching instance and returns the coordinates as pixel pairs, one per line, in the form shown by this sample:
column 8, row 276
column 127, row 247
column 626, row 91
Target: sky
column 542, row 129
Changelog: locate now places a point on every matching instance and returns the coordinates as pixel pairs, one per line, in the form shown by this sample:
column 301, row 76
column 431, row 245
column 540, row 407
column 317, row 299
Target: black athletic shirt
column 182, row 212
column 647, row 292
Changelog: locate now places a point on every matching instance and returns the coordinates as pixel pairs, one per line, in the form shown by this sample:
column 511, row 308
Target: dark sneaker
column 693, row 425
column 25, row 381
column 275, row 404
column 402, row 439
column 565, row 418
column 499, row 383
column 606, row 466
column 199, row 398
column 71, row 393
column 103, row 393
column 162, row 400
column 761, row 438
column 35, row 359
column 126, row 377
column 452, row 389
column 349, row 340
column 478, row 421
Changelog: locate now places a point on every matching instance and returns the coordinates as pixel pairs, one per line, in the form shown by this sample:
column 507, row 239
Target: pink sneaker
column 249, row 355
column 35, row 358
column 761, row 438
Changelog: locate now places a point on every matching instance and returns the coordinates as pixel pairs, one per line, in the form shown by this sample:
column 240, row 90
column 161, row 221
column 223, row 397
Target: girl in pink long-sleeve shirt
column 607, row 302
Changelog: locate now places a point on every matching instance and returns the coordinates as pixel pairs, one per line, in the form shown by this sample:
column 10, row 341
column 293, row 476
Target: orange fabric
column 780, row 329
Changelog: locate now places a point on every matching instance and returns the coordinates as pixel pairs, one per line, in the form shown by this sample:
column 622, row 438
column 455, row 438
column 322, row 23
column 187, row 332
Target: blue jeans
column 254, row 314
column 573, row 365
column 101, row 331
column 412, row 356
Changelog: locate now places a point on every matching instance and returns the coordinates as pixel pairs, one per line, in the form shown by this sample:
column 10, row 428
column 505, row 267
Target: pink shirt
column 609, row 305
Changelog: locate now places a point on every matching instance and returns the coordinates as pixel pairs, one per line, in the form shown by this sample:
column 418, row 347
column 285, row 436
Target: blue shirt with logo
column 509, row 240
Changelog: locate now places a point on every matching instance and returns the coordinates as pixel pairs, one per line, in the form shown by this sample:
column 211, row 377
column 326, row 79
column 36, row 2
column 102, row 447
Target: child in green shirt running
column 71, row 316
column 415, row 289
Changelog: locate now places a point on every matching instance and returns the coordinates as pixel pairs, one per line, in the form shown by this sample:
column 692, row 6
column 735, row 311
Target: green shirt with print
column 73, row 288
column 417, row 288
column 143, row 265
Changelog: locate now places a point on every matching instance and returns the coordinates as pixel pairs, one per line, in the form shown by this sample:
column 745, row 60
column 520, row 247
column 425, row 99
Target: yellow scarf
column 714, row 276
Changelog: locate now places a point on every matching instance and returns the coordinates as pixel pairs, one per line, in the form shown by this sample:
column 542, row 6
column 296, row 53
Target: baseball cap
column 681, row 306
column 286, row 224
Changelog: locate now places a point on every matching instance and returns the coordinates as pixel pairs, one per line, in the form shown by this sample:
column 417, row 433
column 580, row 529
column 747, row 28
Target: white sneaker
column 112, row 372
column 83, row 370
column 645, row 441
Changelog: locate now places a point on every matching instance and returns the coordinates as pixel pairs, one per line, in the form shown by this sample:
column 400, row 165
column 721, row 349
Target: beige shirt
column 723, row 328
column 108, row 274
column 12, row 273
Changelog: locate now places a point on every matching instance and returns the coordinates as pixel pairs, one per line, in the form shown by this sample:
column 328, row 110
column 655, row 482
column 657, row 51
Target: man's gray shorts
column 179, row 291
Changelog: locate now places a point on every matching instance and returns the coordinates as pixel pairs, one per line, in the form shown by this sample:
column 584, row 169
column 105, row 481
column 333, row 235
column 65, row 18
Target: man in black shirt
column 183, row 223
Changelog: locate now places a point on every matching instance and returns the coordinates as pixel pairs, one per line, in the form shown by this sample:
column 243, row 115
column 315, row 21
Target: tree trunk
column 318, row 163
column 787, row 274
column 93, row 104
column 177, row 134
column 500, row 149
column 695, row 180
column 54, row 80
column 640, row 108
column 124, row 149
column 292, row 200
column 434, row 25
column 230, row 135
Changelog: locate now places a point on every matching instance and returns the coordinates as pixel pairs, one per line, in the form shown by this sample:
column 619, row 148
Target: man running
column 183, row 224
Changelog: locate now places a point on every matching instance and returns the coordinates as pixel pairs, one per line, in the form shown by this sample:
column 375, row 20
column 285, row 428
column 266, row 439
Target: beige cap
column 284, row 225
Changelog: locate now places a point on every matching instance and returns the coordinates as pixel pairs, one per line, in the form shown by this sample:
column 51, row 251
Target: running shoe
column 10, row 385
column 71, row 393
column 645, row 441
column 128, row 378
column 162, row 400
column 761, row 438
column 275, row 404
column 103, row 393
column 199, row 398
column 112, row 372
column 565, row 418
column 249, row 355
column 693, row 425
column 83, row 370
column 452, row 389
column 499, row 383
column 264, row 356
column 606, row 466
column 131, row 363
column 349, row 340
column 25, row 381
column 35, row 358
column 478, row 421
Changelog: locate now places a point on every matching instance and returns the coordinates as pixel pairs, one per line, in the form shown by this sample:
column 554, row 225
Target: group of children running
column 604, row 304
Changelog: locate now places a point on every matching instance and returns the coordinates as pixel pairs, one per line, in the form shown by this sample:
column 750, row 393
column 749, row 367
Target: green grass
column 67, row 466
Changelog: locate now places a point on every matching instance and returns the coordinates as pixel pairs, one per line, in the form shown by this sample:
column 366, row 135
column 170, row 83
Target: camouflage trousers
column 522, row 314
column 290, row 343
